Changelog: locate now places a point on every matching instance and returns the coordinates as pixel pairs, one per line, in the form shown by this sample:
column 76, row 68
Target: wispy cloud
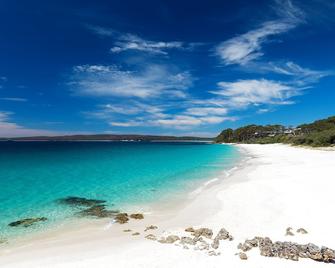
column 14, row 99
column 247, row 47
column 133, row 42
column 151, row 82
column 243, row 93
column 11, row 129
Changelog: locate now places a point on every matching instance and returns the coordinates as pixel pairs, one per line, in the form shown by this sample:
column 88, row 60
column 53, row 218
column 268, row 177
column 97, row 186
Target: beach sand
column 278, row 186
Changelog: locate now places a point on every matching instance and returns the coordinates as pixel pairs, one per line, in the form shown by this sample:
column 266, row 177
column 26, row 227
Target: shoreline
column 258, row 198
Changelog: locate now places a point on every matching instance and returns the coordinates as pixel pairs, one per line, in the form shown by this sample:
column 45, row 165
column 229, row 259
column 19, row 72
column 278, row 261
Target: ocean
column 34, row 175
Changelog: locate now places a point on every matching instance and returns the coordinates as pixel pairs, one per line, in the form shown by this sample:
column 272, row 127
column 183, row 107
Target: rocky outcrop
column 121, row 218
column 137, row 216
column 289, row 250
column 135, row 234
column 205, row 232
column 27, row 222
column 223, row 234
column 80, row 201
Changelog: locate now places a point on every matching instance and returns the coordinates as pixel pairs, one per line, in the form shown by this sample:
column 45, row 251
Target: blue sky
column 163, row 67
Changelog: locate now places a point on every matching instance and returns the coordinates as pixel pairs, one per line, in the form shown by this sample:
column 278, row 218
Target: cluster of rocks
column 98, row 209
column 200, row 239
column 288, row 250
column 289, row 231
column 26, row 222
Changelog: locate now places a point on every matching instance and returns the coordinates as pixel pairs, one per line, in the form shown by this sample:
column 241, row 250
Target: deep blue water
column 35, row 174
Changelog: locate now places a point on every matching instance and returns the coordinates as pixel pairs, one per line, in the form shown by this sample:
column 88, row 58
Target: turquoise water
column 35, row 174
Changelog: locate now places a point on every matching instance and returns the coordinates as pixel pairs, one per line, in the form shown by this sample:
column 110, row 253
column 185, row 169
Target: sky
column 163, row 67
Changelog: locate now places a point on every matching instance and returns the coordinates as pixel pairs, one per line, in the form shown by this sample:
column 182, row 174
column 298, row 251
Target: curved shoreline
column 263, row 197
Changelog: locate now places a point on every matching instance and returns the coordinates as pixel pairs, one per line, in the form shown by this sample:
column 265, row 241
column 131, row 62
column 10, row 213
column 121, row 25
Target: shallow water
column 33, row 175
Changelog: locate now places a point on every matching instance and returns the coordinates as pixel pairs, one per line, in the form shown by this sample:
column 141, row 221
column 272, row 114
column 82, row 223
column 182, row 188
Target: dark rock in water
column 136, row 233
column 121, row 218
column 80, row 201
column 137, row 216
column 205, row 232
column 127, row 230
column 302, row 231
column 98, row 211
column 27, row 222
column 151, row 227
column 294, row 251
column 187, row 240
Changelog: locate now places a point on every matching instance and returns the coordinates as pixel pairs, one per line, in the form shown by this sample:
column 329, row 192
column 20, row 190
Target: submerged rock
column 151, row 227
column 98, row 211
column 187, row 240
column 80, row 201
column 121, row 218
column 302, row 231
column 127, row 230
column 213, row 253
column 136, row 233
column 137, row 216
column 27, row 222
column 248, row 244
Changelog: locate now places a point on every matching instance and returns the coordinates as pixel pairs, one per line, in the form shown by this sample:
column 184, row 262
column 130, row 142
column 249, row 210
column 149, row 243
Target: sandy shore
column 277, row 187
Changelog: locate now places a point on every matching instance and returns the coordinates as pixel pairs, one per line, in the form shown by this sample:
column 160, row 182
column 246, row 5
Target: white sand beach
column 278, row 186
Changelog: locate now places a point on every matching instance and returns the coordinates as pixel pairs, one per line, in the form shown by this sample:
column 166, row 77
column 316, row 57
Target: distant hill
column 318, row 133
column 107, row 137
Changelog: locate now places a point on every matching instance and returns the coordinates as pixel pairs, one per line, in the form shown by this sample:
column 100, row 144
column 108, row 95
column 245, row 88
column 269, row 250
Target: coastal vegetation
column 317, row 134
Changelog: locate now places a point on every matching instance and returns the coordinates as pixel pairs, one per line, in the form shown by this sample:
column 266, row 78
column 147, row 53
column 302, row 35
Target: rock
column 151, row 227
column 151, row 237
column 80, row 201
column 187, row 240
column 243, row 256
column 121, row 218
column 248, row 244
column 302, row 231
column 98, row 211
column 294, row 251
column 26, row 222
column 137, row 216
column 205, row 232
column 169, row 239
column 223, row 234
column 289, row 231
column 189, row 229
column 203, row 245
column 136, row 233
column 127, row 230
column 213, row 253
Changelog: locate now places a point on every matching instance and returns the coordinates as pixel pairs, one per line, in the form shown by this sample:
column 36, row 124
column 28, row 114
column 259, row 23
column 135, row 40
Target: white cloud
column 125, row 124
column 244, row 48
column 10, row 129
column 133, row 42
column 242, row 93
column 153, row 81
column 204, row 111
